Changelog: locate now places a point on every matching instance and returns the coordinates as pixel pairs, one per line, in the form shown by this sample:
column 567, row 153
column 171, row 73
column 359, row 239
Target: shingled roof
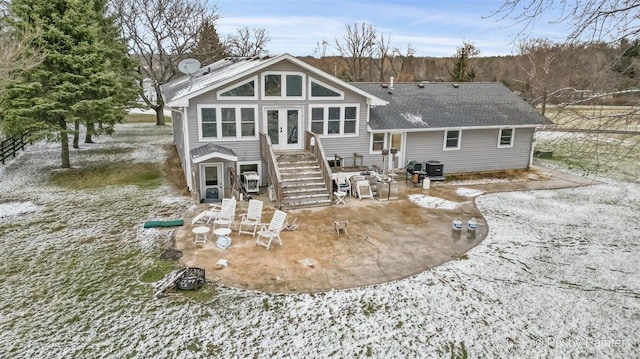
column 433, row 105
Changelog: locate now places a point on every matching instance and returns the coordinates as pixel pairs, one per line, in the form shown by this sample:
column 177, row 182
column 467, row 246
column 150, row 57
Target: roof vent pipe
column 391, row 82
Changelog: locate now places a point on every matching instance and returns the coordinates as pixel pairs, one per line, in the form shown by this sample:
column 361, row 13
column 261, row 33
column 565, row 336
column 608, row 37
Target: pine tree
column 208, row 49
column 463, row 70
column 85, row 77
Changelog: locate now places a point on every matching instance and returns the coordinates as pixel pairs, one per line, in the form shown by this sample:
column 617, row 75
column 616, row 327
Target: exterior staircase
column 302, row 182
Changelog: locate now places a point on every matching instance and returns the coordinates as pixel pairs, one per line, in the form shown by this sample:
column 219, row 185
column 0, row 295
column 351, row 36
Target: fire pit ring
column 192, row 278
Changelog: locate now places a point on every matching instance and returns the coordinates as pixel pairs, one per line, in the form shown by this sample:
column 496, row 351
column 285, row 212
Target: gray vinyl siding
column 249, row 150
column 478, row 150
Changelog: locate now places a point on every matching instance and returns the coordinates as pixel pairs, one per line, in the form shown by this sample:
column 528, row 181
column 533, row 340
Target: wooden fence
column 10, row 146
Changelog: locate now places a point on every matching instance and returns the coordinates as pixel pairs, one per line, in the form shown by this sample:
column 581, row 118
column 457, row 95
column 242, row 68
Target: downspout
column 187, row 149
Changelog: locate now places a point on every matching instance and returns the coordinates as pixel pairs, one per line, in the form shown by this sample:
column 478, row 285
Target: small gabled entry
column 208, row 165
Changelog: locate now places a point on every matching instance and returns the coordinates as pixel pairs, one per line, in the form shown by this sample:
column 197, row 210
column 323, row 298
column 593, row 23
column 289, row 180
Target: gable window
column 272, row 85
column 294, row 85
column 334, row 120
column 505, row 137
column 377, row 142
column 228, row 122
column 284, row 85
column 208, row 124
column 321, row 90
column 239, row 91
column 452, row 140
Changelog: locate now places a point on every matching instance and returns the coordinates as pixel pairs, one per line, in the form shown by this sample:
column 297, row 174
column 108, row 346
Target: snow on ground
column 425, row 201
column 15, row 208
column 468, row 192
column 557, row 276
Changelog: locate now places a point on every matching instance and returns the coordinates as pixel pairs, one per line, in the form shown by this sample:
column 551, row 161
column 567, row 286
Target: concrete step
column 306, row 203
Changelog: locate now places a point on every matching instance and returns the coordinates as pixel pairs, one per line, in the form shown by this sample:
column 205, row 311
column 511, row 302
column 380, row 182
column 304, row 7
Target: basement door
column 211, row 182
column 283, row 125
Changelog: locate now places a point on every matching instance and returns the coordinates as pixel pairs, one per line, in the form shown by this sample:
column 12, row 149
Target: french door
column 283, row 126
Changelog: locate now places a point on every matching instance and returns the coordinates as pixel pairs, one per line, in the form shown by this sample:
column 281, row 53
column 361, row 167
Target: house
column 287, row 120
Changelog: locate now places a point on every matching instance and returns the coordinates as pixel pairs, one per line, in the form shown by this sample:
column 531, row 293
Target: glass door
column 283, row 128
column 211, row 182
column 397, row 145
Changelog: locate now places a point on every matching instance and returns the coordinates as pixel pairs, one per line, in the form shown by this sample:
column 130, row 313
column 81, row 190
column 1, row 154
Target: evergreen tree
column 463, row 70
column 85, row 77
column 208, row 48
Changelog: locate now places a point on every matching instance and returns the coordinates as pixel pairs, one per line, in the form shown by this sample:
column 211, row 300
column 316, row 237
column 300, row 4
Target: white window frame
column 320, row 98
column 238, row 84
column 513, row 135
column 325, row 114
column 219, row 137
column 259, row 163
column 384, row 145
column 444, row 142
column 283, row 89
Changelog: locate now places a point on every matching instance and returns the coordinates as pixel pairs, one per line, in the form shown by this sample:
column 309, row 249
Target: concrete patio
column 387, row 240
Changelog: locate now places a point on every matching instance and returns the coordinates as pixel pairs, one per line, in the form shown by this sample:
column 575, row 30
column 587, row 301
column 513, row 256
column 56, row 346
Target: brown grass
column 174, row 172
column 505, row 174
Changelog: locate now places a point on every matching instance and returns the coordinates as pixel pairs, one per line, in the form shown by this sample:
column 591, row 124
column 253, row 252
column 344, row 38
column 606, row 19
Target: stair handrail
column 267, row 155
column 317, row 150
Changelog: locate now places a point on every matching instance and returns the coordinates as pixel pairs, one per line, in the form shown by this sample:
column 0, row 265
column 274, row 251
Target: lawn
column 556, row 277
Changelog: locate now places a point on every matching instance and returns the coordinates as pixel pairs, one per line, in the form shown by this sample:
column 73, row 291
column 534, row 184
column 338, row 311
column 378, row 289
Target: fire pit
column 191, row 278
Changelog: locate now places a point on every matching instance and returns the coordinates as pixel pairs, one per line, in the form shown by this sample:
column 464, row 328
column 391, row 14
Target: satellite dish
column 189, row 66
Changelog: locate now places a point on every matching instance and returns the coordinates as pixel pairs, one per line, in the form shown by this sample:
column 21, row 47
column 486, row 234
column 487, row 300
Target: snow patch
column 468, row 192
column 413, row 119
column 15, row 208
column 433, row 202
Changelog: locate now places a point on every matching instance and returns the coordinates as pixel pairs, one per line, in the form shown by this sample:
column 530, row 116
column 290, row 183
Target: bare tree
column 539, row 56
column 357, row 47
column 401, row 62
column 382, row 53
column 248, row 43
column 162, row 33
column 588, row 19
column 592, row 21
column 320, row 50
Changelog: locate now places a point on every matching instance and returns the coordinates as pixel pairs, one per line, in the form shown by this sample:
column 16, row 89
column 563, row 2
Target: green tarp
column 151, row 224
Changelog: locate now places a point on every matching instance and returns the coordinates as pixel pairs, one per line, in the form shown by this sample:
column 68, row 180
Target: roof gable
column 426, row 106
column 179, row 91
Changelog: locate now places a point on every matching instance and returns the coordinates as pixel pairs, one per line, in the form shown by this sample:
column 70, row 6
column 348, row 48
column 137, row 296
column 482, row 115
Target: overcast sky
column 433, row 28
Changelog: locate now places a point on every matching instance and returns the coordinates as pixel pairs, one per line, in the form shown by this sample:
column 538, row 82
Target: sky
column 432, row 28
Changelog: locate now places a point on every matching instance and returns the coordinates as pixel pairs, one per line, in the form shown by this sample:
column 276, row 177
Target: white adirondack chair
column 268, row 234
column 227, row 215
column 251, row 219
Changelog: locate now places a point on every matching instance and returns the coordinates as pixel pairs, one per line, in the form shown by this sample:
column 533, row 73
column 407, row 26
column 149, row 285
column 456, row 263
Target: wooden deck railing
column 236, row 184
column 267, row 155
column 317, row 150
